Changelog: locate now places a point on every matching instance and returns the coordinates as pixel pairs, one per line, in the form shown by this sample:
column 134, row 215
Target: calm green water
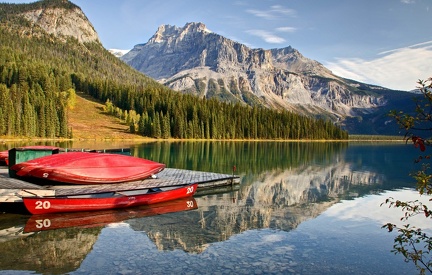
column 301, row 208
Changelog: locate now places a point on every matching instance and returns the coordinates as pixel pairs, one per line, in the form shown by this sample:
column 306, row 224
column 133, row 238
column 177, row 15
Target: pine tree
column 157, row 132
column 166, row 127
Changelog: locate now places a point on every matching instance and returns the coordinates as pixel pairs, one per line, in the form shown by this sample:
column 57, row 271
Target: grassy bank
column 89, row 121
column 375, row 138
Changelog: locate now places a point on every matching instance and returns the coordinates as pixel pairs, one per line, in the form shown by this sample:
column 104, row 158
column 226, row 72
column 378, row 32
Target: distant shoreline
column 147, row 139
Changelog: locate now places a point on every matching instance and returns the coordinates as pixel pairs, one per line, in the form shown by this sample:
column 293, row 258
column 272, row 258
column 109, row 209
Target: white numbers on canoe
column 190, row 190
column 190, row 204
column 45, row 175
column 43, row 223
column 43, row 205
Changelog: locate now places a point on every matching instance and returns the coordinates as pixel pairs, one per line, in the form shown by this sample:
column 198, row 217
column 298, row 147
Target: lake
column 300, row 208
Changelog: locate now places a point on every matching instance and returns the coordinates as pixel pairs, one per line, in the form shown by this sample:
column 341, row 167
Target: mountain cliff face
column 59, row 18
column 194, row 60
column 61, row 22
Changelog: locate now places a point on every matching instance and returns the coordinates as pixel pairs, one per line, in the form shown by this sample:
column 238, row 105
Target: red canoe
column 4, row 157
column 100, row 218
column 110, row 200
column 88, row 168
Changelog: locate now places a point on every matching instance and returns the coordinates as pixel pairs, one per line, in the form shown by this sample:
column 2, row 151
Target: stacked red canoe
column 95, row 168
column 88, row 168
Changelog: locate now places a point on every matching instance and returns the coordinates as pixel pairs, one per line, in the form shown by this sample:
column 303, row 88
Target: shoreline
column 356, row 138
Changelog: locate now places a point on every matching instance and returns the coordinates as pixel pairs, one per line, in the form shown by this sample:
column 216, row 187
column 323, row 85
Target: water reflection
column 53, row 252
column 100, row 218
column 283, row 190
column 249, row 157
column 58, row 243
column 283, row 185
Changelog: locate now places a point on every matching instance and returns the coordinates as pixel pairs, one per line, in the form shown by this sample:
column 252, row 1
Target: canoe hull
column 88, row 168
column 45, row 205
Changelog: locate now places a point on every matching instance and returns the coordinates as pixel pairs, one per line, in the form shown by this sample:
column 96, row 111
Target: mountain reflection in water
column 284, row 186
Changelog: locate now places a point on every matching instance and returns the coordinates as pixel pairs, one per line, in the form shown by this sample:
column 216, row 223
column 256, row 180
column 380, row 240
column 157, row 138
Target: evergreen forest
column 40, row 76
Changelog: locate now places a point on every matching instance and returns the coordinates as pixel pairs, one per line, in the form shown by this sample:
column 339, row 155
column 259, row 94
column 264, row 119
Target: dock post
column 234, row 168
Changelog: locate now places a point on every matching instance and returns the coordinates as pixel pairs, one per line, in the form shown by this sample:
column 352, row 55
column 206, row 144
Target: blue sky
column 384, row 42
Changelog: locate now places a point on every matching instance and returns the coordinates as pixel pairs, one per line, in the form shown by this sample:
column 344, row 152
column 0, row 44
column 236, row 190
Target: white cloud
column 398, row 69
column 286, row 29
column 425, row 45
column 281, row 10
column 274, row 12
column 267, row 36
column 263, row 14
column 408, row 1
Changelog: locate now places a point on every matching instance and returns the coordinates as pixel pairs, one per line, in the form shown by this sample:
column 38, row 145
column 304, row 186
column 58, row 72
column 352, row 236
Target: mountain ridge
column 194, row 60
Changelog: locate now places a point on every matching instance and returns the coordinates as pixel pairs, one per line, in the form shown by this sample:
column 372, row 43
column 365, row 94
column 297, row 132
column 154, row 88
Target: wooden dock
column 11, row 189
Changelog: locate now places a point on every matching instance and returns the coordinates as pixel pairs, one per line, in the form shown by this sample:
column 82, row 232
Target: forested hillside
column 41, row 73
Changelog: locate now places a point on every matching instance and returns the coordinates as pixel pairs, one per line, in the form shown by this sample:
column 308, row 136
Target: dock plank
column 11, row 189
column 7, row 183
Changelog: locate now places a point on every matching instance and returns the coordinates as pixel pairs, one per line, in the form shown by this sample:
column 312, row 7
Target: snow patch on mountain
column 118, row 53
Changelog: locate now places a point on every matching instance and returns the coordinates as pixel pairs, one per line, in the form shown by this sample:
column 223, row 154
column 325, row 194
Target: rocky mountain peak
column 195, row 46
column 194, row 60
column 196, row 27
column 166, row 33
column 60, row 18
